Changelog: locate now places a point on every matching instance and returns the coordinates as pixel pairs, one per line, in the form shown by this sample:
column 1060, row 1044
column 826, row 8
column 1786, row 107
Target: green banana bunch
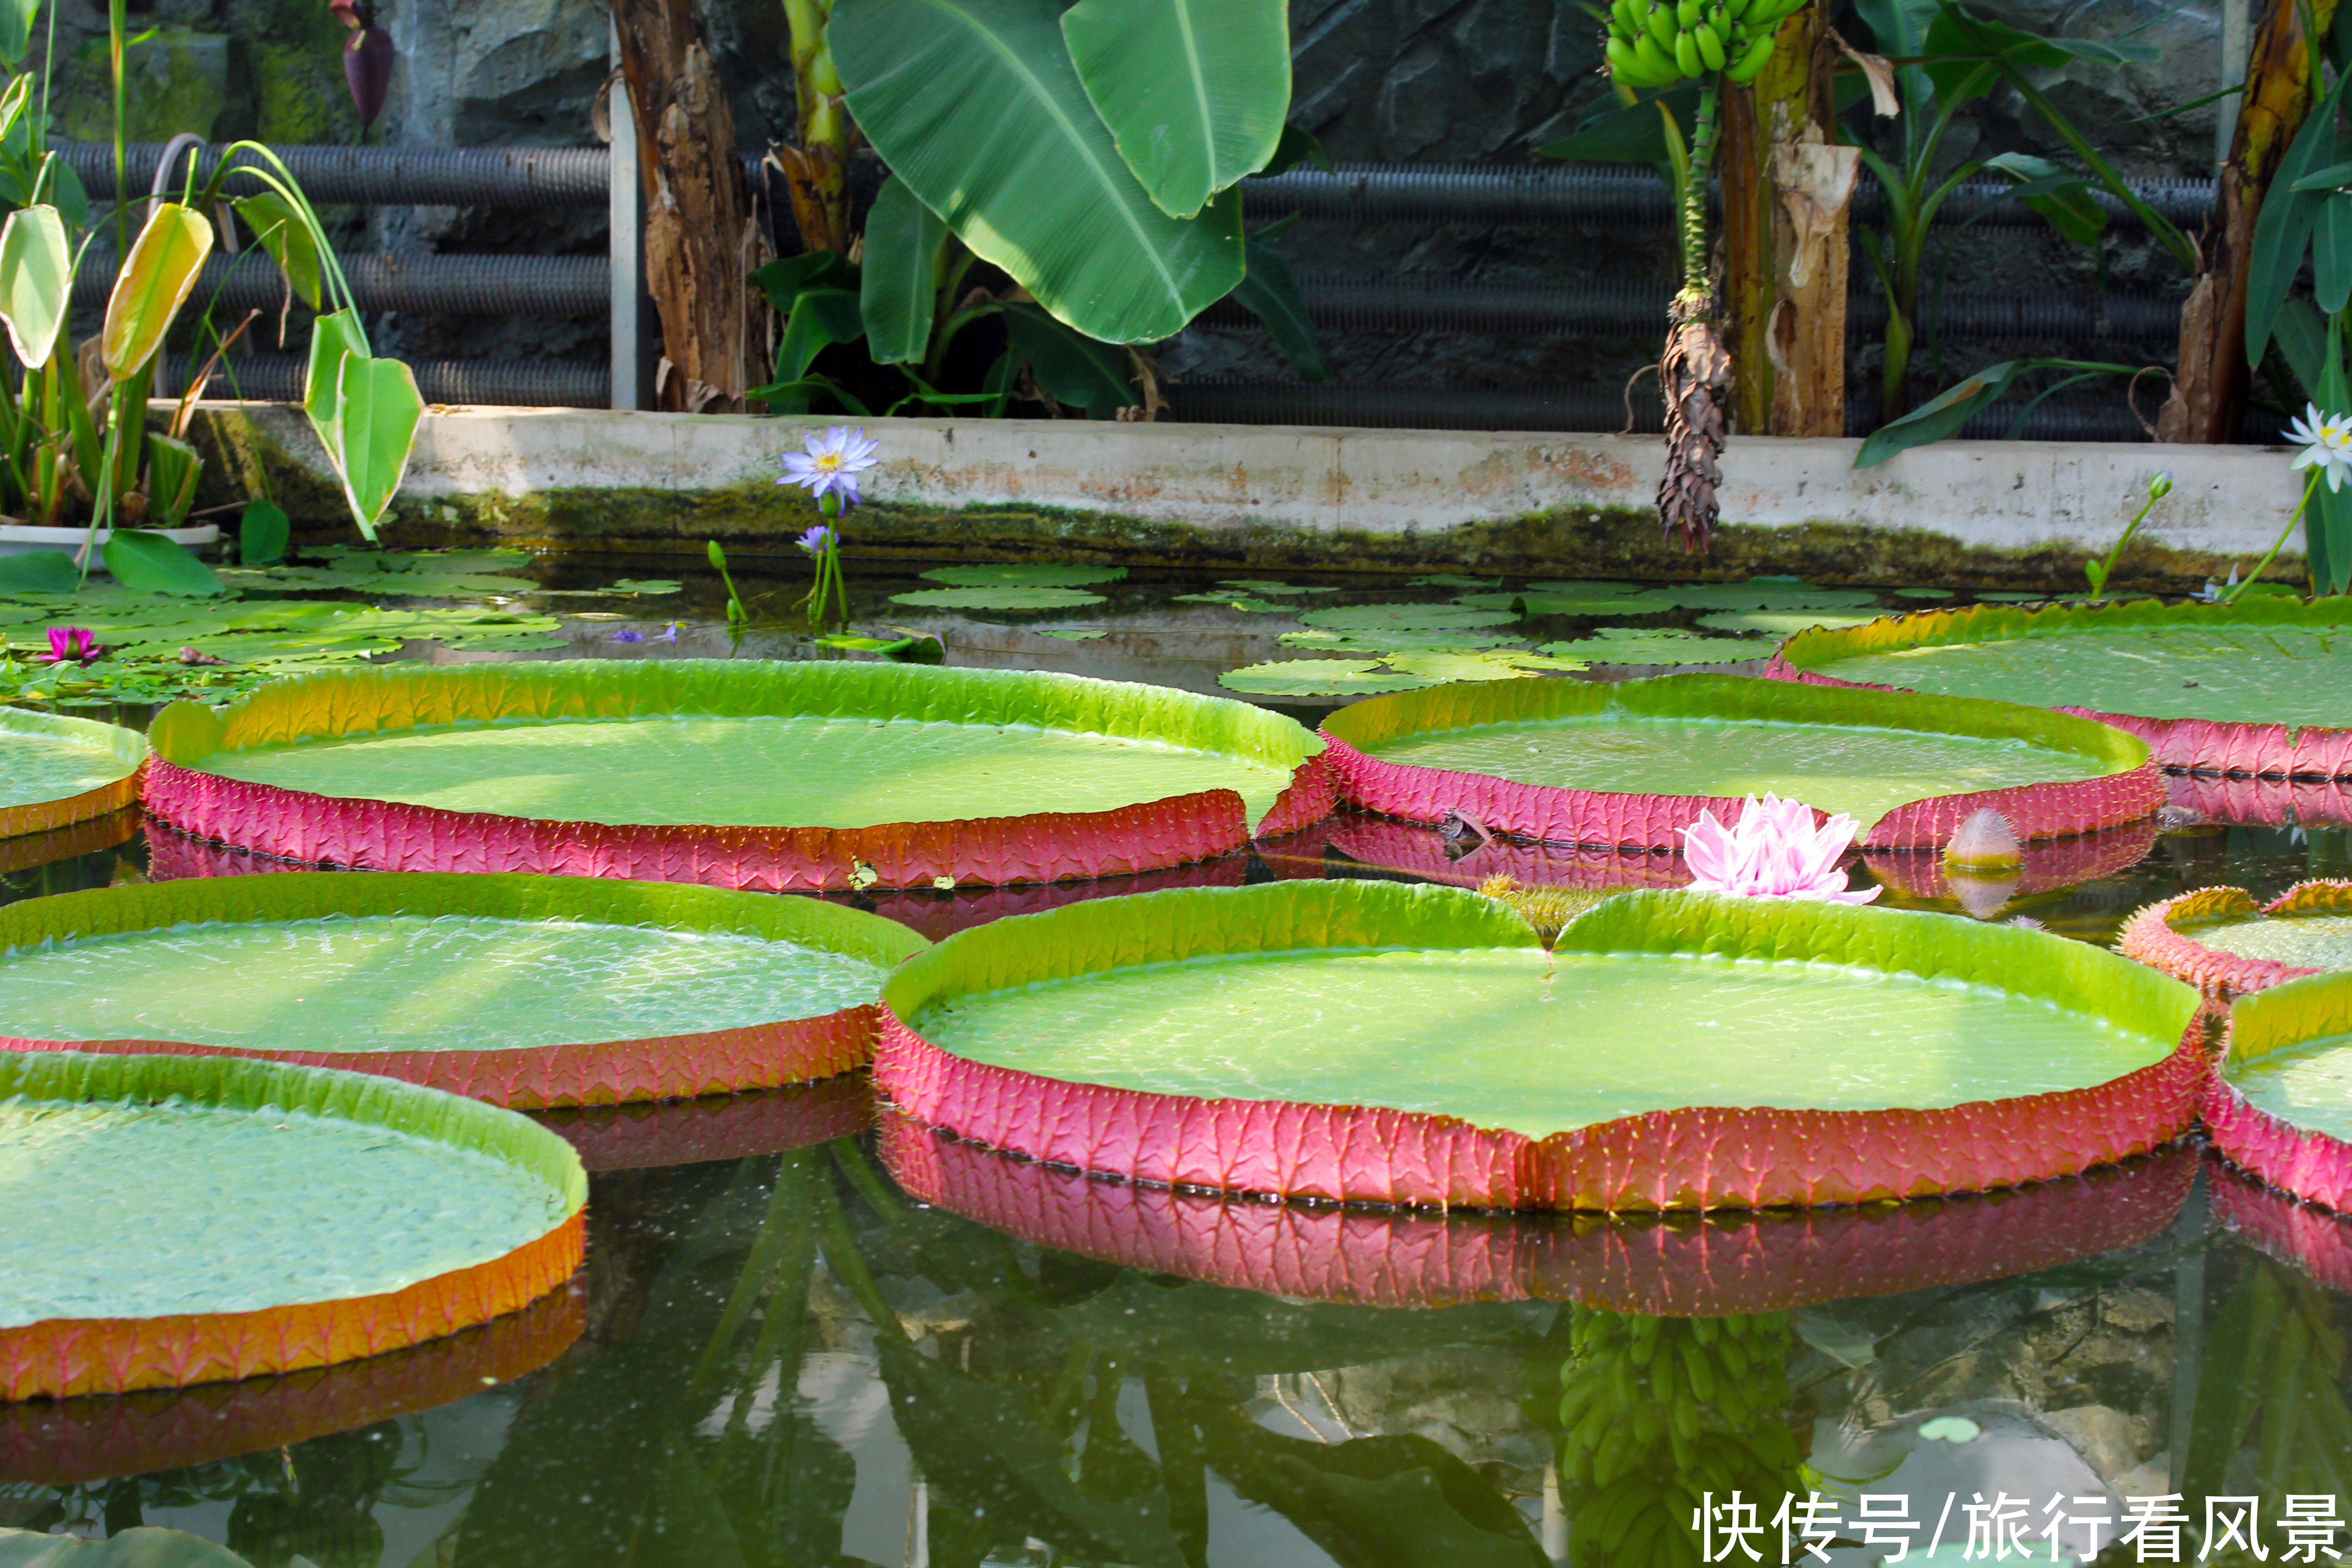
column 1656, row 1412
column 1657, row 43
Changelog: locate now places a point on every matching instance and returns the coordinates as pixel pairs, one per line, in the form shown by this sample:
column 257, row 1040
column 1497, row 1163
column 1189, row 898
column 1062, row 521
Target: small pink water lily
column 1774, row 852
column 71, row 645
column 832, row 460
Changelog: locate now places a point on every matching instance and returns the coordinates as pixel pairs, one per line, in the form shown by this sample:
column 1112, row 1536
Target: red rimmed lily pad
column 522, row 991
column 1632, row 763
column 288, row 1217
column 2260, row 687
column 56, row 771
column 1745, row 1263
column 2281, row 1106
column 753, row 773
column 67, row 1442
column 1353, row 1041
column 2219, row 938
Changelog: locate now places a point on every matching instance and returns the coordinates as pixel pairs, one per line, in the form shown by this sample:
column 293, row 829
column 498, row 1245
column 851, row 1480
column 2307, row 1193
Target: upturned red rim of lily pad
column 578, row 1073
column 2241, row 747
column 2165, row 934
column 94, row 1437
column 1693, row 1158
column 2316, row 1240
column 109, row 749
column 2291, row 1149
column 185, row 790
column 1635, row 1264
column 2125, row 786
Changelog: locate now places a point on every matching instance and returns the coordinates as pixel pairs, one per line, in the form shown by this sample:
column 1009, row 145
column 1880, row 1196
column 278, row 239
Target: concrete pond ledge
column 2022, row 513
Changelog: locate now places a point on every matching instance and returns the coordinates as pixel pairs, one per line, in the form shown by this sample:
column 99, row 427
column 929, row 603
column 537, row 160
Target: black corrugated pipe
column 384, row 176
column 539, row 384
column 1551, row 195
column 447, row 285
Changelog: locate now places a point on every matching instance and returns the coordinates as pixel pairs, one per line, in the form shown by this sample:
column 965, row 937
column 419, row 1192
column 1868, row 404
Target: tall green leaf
column 333, row 339
column 154, row 282
column 376, row 411
column 148, row 563
column 261, row 535
column 1194, row 91
column 279, row 230
column 1067, row 366
column 2283, row 229
column 900, row 282
column 35, row 281
column 1943, row 415
column 974, row 103
column 16, row 30
column 172, row 469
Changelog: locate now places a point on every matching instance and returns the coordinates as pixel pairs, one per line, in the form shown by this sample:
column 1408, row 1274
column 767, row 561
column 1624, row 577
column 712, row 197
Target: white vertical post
column 626, row 200
column 2237, row 41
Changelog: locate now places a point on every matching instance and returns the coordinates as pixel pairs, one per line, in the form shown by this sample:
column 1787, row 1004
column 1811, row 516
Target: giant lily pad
column 1658, row 648
column 747, row 774
column 1631, row 1264
column 1632, row 763
column 1373, row 1041
column 1389, row 618
column 1009, row 596
column 55, row 771
column 2281, row 1107
column 2260, row 687
column 293, row 1216
column 523, row 990
column 1023, row 574
column 68, row 1442
column 2219, row 938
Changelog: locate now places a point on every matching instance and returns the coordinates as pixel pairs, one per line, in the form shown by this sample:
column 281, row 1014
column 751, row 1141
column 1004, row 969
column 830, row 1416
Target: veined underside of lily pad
column 776, row 777
column 1752, row 1262
column 315, row 1217
column 2219, row 939
column 1344, row 1041
column 527, row 992
column 56, row 771
column 96, row 1438
column 2261, row 688
column 1635, row 763
column 2281, row 1107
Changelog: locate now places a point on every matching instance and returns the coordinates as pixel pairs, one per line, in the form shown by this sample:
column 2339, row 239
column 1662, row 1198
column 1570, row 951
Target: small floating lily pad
column 1318, row 677
column 1658, row 648
column 1779, row 623
column 1405, row 617
column 1396, row 641
column 1454, row 580
column 1023, row 574
column 1923, row 593
column 1074, row 634
column 1008, row 598
column 1270, row 590
column 1241, row 602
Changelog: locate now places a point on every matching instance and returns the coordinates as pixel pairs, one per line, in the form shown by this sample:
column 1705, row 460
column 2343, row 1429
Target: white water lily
column 2326, row 443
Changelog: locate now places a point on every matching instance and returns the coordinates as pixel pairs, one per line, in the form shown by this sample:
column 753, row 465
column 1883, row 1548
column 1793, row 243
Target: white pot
column 21, row 537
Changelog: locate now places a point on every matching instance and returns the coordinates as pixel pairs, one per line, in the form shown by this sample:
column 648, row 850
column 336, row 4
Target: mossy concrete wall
column 2017, row 513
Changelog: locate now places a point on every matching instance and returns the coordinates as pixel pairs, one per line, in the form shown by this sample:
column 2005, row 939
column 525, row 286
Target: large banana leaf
column 153, row 284
column 35, row 282
column 1194, row 91
column 975, row 105
column 900, row 274
column 376, row 409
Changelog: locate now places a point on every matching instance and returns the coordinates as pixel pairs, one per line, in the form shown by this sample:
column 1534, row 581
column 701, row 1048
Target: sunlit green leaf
column 376, row 412
column 155, row 280
column 1194, row 91
column 899, row 275
column 36, row 280
column 150, row 563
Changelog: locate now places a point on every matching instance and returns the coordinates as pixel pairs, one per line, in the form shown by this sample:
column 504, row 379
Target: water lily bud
column 718, row 556
column 2160, row 487
column 1986, row 841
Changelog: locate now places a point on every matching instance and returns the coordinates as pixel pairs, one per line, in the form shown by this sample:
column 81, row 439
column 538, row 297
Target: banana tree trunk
column 700, row 240
column 1786, row 192
column 2209, row 394
column 816, row 167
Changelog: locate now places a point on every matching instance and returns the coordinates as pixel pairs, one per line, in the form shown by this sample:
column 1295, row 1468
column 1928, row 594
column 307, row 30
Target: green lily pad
column 1451, row 580
column 1779, row 623
column 1501, row 664
column 1319, row 677
column 1434, row 637
column 1023, row 574
column 1269, row 590
column 38, row 571
column 508, row 642
column 2011, row 596
column 259, row 647
column 1010, row 597
column 1241, row 602
column 299, row 579
column 1076, row 634
column 1580, row 589
column 1923, row 593
column 650, row 586
column 1658, row 648
column 442, row 585
column 1405, row 617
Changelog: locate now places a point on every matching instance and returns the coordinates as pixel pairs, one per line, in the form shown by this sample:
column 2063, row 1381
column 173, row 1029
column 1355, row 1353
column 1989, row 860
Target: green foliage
column 1192, row 91
column 148, row 563
column 899, row 278
column 1023, row 574
column 1943, row 415
column 1004, row 596
column 262, row 534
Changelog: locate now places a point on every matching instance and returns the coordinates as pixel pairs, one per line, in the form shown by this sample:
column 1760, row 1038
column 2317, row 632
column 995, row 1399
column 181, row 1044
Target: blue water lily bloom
column 815, row 539
column 627, row 635
column 831, row 462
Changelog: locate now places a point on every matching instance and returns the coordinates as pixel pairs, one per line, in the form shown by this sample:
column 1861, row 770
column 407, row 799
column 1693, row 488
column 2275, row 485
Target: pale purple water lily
column 2326, row 443
column 1773, row 852
column 832, row 460
column 75, row 645
column 668, row 634
column 816, row 539
column 628, row 634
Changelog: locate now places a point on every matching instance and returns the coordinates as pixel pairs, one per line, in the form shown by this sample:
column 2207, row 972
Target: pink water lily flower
column 1774, row 852
column 71, row 645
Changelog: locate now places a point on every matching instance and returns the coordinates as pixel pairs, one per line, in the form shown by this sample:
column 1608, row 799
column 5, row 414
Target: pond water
column 808, row 1335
